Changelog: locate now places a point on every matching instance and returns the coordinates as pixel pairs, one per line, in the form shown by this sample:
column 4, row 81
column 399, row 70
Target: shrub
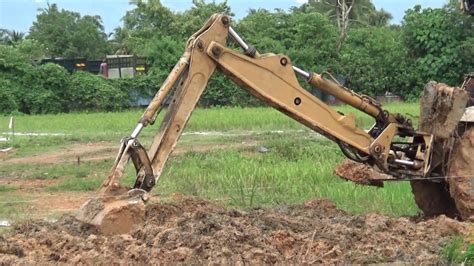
column 138, row 87
column 8, row 102
column 89, row 91
column 45, row 90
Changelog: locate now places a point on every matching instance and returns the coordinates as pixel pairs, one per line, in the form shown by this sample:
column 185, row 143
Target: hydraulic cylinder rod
column 347, row 96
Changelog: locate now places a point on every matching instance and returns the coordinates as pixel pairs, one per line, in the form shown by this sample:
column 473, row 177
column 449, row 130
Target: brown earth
column 69, row 153
column 461, row 175
column 98, row 151
column 193, row 231
column 31, row 196
column 360, row 173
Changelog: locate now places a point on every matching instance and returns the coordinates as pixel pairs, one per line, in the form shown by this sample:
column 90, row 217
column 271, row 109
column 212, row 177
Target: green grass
column 7, row 188
column 108, row 126
column 293, row 171
column 459, row 251
column 78, row 184
column 13, row 207
column 298, row 167
column 54, row 171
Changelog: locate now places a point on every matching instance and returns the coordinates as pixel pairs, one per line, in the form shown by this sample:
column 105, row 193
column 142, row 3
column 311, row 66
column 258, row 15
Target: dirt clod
column 360, row 173
column 194, row 231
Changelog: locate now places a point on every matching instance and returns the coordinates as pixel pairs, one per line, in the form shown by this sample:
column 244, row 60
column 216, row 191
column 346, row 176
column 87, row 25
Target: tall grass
column 459, row 251
column 293, row 171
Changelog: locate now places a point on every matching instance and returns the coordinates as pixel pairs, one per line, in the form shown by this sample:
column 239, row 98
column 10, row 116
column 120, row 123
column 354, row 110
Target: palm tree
column 119, row 41
column 11, row 37
column 380, row 18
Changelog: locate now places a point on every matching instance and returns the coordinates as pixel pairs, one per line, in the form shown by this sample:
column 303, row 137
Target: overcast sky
column 20, row 14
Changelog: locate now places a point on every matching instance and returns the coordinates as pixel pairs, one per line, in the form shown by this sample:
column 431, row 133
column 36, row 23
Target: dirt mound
column 195, row 231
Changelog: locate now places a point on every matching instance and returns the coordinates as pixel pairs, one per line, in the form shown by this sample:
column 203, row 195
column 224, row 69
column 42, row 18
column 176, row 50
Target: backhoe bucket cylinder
column 165, row 89
column 345, row 95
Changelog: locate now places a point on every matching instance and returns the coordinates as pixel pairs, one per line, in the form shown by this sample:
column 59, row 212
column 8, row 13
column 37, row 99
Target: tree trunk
column 343, row 10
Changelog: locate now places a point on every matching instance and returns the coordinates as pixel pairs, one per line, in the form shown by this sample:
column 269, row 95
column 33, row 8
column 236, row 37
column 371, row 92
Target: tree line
column 351, row 39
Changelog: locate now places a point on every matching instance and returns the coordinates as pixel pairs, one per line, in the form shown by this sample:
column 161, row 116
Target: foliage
column 137, row 87
column 434, row 38
column 13, row 66
column 191, row 20
column 12, row 61
column 459, row 251
column 374, row 61
column 431, row 44
column 364, row 12
column 8, row 101
column 31, row 50
column 67, row 34
column 93, row 92
column 11, row 37
column 47, row 90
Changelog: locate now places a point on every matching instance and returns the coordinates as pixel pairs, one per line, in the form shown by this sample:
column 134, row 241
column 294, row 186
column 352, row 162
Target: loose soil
column 194, row 231
column 360, row 173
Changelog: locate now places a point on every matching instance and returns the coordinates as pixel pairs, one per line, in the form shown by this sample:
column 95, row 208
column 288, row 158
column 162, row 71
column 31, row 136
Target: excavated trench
column 194, row 231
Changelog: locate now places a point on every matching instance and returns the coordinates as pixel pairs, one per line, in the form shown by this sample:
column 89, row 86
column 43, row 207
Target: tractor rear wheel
column 433, row 198
column 461, row 174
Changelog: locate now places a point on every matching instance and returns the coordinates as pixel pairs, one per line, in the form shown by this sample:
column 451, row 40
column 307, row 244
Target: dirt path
column 193, row 231
column 37, row 202
column 99, row 151
column 66, row 154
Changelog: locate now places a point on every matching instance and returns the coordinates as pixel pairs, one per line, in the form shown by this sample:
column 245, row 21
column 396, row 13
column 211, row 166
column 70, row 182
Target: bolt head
column 225, row 20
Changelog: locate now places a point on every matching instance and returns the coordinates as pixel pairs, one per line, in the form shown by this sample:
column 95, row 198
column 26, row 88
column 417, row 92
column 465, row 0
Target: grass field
column 298, row 166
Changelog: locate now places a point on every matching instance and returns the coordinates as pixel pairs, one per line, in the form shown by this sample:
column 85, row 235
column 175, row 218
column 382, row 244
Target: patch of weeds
column 77, row 184
column 459, row 251
column 13, row 207
column 7, row 188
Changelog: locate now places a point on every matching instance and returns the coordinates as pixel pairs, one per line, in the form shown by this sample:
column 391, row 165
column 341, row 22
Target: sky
column 19, row 14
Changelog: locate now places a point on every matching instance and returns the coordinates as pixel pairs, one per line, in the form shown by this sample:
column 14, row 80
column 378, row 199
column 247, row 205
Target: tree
column 374, row 61
column 440, row 43
column 191, row 20
column 343, row 10
column 380, row 18
column 31, row 50
column 119, row 44
column 11, row 37
column 345, row 13
column 67, row 34
column 149, row 18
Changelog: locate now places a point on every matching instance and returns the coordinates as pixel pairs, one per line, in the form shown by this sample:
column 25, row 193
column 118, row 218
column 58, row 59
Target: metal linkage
column 249, row 50
column 301, row 72
column 238, row 39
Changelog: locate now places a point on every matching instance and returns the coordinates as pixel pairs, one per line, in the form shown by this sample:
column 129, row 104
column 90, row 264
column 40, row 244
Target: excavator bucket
column 116, row 209
column 111, row 214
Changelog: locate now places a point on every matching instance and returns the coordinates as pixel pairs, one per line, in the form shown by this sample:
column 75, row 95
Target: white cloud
column 39, row 1
column 301, row 1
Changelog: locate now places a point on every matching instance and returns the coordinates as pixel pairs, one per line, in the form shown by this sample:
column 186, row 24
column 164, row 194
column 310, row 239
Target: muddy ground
column 193, row 231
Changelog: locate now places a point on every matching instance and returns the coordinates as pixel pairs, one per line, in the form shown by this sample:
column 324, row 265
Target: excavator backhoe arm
column 272, row 78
